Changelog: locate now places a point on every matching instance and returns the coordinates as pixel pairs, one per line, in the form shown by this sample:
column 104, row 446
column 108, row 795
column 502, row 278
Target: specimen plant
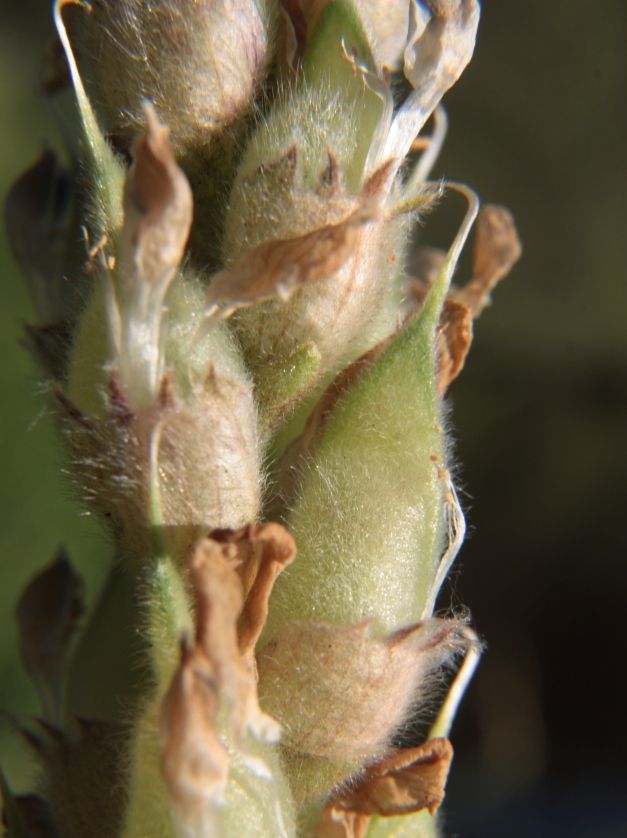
column 248, row 365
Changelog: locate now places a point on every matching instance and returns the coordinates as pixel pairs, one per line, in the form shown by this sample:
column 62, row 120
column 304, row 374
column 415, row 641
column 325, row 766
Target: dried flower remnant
column 277, row 269
column 404, row 782
column 157, row 220
column 232, row 574
column 241, row 344
column 496, row 250
column 195, row 762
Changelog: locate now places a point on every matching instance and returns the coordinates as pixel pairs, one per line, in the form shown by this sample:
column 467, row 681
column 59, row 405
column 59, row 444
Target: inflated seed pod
column 373, row 510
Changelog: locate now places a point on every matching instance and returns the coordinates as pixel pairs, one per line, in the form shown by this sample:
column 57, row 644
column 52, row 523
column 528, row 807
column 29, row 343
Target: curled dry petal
column 157, row 220
column 454, row 339
column 441, row 42
column 341, row 694
column 278, row 268
column 260, row 553
column 194, row 763
column 404, row 782
column 232, row 574
column 386, row 24
column 497, row 248
column 219, row 600
column 442, row 45
column 157, row 204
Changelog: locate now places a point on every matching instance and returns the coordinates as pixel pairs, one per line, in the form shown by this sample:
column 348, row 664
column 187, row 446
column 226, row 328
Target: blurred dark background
column 540, row 416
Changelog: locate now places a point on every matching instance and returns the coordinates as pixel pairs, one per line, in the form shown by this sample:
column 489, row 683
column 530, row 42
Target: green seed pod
column 374, row 505
column 386, row 524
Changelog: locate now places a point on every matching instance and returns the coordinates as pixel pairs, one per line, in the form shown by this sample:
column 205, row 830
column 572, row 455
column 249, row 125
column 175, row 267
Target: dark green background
column 540, row 415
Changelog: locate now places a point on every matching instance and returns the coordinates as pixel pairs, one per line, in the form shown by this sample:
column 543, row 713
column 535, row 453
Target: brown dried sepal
column 232, row 575
column 277, row 269
column 402, row 783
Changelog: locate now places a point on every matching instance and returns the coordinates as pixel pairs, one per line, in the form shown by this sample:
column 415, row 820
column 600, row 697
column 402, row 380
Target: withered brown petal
column 497, row 248
column 386, row 24
column 341, row 823
column 278, row 268
column 47, row 615
column 219, row 599
column 401, row 783
column 157, row 205
column 232, row 575
column 406, row 781
column 262, row 553
column 194, row 762
column 454, row 339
